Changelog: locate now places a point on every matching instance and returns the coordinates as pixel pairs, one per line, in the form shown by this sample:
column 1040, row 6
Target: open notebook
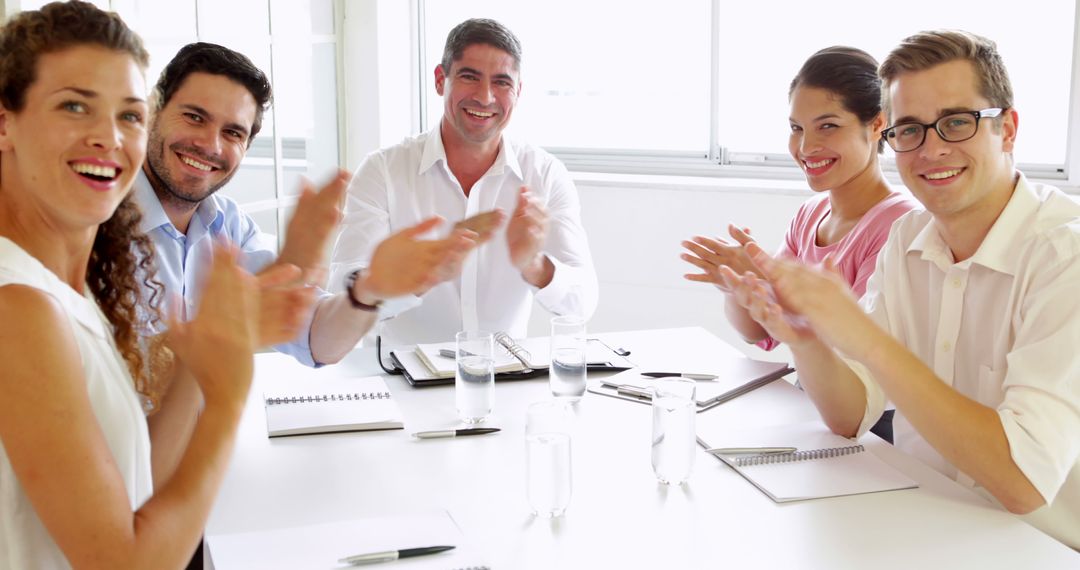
column 825, row 465
column 736, row 375
column 324, row 405
column 514, row 359
column 322, row 545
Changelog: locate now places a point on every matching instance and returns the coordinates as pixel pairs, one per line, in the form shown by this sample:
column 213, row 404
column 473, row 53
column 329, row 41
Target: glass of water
column 547, row 457
column 568, row 357
column 673, row 438
column 474, row 381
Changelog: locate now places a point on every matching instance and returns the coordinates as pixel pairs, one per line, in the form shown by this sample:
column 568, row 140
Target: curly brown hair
column 120, row 273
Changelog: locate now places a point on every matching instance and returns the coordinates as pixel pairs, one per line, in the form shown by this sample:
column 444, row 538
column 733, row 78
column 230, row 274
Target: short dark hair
column 479, row 31
column 56, row 26
column 851, row 74
column 202, row 57
column 928, row 49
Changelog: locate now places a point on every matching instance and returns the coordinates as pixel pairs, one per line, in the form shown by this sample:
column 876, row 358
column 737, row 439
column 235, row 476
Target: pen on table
column 447, row 353
column 387, row 556
column 453, row 432
column 680, row 375
column 750, row 450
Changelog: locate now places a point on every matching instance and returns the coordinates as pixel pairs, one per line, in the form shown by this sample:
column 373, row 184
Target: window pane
column 220, row 21
column 597, row 74
column 306, row 110
column 764, row 44
column 302, row 17
column 157, row 20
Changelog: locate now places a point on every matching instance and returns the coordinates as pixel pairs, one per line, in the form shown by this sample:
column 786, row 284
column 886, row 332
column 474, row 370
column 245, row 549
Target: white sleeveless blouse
column 24, row 541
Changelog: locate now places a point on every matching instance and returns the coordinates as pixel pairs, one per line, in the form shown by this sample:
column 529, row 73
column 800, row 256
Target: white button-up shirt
column 1002, row 328
column 400, row 186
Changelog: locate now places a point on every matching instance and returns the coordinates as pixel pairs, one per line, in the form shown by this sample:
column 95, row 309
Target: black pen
column 387, row 556
column 453, row 432
column 680, row 375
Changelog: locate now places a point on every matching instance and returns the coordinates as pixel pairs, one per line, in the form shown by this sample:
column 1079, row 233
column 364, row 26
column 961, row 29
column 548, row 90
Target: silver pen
column 750, row 450
column 388, row 555
column 680, row 375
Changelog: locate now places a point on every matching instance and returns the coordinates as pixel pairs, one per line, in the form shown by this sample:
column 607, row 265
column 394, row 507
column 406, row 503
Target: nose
column 105, row 134
column 934, row 146
column 484, row 94
column 809, row 143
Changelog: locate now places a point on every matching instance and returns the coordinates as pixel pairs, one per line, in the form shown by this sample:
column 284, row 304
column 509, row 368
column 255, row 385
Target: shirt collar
column 153, row 214
column 434, row 151
column 996, row 251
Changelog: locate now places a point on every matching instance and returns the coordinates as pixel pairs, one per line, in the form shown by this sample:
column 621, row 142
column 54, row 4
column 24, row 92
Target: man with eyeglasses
column 971, row 322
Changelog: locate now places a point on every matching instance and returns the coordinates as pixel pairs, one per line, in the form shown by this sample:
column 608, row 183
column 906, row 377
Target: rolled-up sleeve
column 573, row 289
column 1040, row 411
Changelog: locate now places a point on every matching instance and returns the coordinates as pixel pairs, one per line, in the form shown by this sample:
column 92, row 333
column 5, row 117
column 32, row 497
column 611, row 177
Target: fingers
column 741, row 235
column 422, row 228
column 278, row 274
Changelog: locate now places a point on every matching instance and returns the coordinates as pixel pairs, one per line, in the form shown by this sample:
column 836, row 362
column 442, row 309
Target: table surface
column 619, row 516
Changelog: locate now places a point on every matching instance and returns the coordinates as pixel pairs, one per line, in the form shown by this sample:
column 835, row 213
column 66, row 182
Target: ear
column 440, row 79
column 5, row 140
column 877, row 124
column 1009, row 125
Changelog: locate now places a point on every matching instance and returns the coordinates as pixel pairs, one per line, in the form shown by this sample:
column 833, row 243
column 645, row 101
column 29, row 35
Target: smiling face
column 73, row 150
column 198, row 138
column 954, row 179
column 479, row 94
column 830, row 143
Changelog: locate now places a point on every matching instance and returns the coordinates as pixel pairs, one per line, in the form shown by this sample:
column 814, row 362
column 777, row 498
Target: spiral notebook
column 322, row 545
column 825, row 465
column 325, row 405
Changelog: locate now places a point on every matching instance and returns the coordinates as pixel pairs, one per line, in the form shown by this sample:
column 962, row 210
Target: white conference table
column 619, row 516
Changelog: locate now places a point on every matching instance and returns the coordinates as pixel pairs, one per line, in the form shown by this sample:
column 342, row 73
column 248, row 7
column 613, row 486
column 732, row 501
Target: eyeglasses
column 954, row 127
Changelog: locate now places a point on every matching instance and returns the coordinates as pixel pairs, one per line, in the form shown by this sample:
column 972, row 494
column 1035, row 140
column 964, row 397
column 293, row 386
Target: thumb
column 741, row 235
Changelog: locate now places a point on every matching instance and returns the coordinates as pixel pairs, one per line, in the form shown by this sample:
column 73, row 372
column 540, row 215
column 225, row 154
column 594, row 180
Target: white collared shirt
column 1002, row 328
column 400, row 186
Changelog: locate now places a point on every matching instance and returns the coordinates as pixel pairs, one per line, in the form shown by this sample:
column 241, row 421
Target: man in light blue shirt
column 207, row 108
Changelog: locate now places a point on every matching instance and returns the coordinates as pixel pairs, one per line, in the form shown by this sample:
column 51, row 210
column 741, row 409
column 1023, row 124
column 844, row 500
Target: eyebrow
column 941, row 113
column 90, row 94
column 210, row 116
column 506, row 76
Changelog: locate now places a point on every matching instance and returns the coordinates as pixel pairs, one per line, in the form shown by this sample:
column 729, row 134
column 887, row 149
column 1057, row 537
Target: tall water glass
column 673, row 437
column 568, row 357
column 547, row 457
column 474, row 381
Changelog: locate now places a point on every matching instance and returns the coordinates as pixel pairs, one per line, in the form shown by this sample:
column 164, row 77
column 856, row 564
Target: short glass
column 568, row 357
column 673, row 437
column 547, row 457
column 474, row 380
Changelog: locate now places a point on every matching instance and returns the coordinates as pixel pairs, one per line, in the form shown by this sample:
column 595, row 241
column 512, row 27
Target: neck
column 965, row 230
column 468, row 160
column 64, row 251
column 851, row 200
column 179, row 211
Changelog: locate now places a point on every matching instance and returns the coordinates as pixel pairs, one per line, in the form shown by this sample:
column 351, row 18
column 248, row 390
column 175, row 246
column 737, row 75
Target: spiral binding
column 347, row 397
column 515, row 349
column 771, row 458
column 473, row 568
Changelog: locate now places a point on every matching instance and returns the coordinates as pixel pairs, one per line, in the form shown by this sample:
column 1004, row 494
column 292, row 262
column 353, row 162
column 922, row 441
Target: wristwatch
column 350, row 280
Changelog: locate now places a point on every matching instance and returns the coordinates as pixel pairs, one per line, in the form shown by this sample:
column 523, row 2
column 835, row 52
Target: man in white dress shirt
column 972, row 318
column 466, row 171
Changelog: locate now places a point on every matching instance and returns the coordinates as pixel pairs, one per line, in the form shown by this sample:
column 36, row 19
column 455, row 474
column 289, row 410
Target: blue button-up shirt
column 184, row 260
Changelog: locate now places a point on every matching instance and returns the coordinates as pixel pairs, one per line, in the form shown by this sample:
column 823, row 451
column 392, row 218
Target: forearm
column 167, row 528
column 540, row 272
column 337, row 327
column 967, row 434
column 172, row 426
column 750, row 330
column 832, row 386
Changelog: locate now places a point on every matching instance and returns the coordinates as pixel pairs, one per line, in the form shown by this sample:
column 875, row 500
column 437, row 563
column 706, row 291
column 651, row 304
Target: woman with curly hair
column 75, row 449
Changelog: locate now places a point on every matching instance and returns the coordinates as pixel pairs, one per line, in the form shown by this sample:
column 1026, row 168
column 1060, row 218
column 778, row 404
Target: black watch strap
column 350, row 280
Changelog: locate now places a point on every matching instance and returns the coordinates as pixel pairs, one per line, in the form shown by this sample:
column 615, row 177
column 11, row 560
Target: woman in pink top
column 836, row 121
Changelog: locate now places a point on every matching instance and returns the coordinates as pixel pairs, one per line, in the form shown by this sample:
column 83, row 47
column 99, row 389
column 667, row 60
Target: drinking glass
column 673, row 438
column 474, row 381
column 568, row 357
column 547, row 457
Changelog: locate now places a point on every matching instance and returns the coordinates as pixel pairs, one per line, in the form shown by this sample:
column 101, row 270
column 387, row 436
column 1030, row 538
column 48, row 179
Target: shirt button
column 956, row 283
column 946, row 346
